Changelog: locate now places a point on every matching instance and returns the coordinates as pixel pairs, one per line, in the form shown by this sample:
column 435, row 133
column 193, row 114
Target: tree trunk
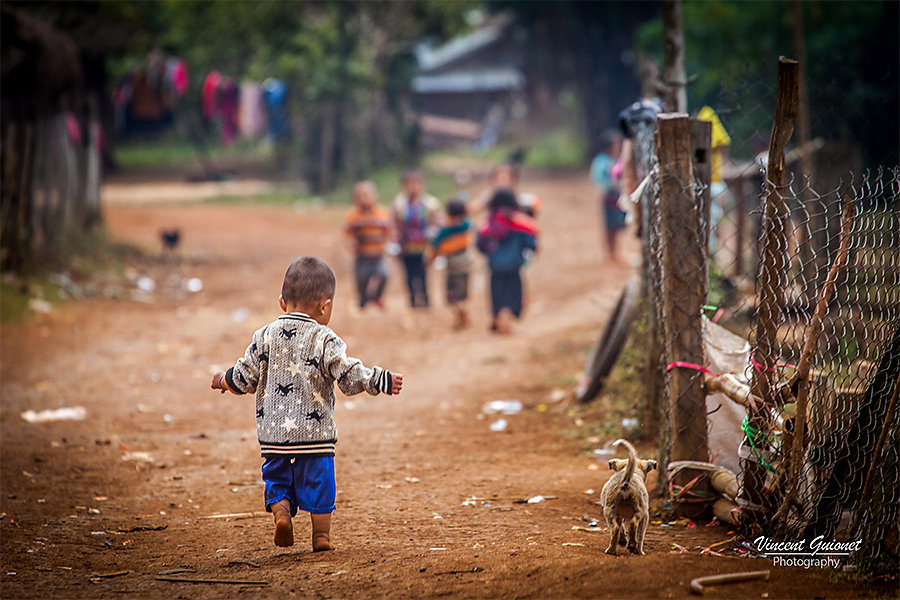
column 673, row 56
column 328, row 144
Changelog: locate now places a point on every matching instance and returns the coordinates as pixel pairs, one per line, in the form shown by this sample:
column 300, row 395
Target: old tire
column 608, row 346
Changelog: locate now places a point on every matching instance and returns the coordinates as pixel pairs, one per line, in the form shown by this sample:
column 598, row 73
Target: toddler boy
column 369, row 227
column 454, row 242
column 292, row 365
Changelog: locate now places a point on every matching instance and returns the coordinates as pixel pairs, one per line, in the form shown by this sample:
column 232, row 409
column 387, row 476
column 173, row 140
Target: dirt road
column 427, row 501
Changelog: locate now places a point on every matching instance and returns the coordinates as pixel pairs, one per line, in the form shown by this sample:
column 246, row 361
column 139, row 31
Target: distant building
column 469, row 87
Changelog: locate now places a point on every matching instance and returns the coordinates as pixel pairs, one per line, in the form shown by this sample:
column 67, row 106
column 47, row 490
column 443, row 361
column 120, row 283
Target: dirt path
column 427, row 492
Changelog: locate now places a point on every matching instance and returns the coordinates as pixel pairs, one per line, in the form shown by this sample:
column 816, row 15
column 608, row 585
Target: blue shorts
column 306, row 481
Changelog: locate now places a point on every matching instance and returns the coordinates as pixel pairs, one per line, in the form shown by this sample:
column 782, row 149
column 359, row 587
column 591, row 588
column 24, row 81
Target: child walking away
column 415, row 214
column 506, row 175
column 292, row 365
column 605, row 172
column 508, row 238
column 454, row 242
column 369, row 228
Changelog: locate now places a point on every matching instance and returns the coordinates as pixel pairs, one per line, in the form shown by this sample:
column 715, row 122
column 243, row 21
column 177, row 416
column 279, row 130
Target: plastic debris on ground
column 588, row 529
column 194, row 284
column 146, row 284
column 68, row 413
column 138, row 457
column 629, row 423
column 40, row 305
column 503, row 407
column 499, row 425
column 535, row 499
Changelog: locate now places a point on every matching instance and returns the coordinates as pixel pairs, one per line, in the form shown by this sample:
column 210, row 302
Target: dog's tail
column 632, row 462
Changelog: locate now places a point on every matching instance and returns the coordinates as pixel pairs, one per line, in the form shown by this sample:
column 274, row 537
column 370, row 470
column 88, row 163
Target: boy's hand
column 396, row 383
column 218, row 381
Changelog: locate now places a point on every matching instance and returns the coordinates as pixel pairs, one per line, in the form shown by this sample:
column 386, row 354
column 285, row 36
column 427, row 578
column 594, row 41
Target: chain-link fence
column 814, row 436
column 840, row 318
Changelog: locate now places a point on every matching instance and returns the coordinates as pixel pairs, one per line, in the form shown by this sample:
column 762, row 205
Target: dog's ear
column 649, row 465
column 617, row 464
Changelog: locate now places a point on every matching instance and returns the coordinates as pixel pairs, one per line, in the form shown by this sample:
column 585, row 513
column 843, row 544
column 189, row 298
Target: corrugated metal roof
column 483, row 80
column 430, row 59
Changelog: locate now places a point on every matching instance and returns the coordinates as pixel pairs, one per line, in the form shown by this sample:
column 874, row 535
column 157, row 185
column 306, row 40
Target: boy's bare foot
column 284, row 529
column 322, row 542
column 504, row 321
column 462, row 319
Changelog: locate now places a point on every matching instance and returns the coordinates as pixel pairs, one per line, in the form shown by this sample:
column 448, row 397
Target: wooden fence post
column 772, row 272
column 701, row 163
column 683, row 287
column 740, row 195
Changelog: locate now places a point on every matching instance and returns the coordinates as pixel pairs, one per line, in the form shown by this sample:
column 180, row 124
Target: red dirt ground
column 78, row 521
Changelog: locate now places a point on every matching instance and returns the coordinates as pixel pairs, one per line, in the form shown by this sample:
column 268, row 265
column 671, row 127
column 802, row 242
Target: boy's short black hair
column 411, row 174
column 504, row 198
column 456, row 207
column 308, row 280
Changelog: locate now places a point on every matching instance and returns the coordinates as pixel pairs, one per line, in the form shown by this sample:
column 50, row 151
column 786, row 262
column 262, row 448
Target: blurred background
column 321, row 94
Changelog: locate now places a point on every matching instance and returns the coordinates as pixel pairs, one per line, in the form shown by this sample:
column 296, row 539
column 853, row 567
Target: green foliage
column 851, row 50
column 173, row 152
column 387, row 180
column 559, row 148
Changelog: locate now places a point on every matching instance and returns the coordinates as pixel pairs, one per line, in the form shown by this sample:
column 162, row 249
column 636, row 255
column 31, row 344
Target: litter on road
column 67, row 413
column 499, row 425
column 502, row 407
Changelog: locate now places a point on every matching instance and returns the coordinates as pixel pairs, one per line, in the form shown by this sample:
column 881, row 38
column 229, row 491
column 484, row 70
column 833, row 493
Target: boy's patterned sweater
column 292, row 364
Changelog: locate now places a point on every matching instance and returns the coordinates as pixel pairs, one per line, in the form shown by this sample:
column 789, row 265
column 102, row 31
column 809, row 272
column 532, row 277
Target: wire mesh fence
column 832, row 411
column 847, row 483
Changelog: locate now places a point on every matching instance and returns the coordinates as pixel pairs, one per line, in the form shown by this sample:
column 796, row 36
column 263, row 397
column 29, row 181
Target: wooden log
column 729, row 386
column 683, row 287
column 727, row 511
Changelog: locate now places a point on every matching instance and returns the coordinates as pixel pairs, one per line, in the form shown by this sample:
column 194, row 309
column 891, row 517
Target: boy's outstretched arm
column 351, row 376
column 243, row 377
